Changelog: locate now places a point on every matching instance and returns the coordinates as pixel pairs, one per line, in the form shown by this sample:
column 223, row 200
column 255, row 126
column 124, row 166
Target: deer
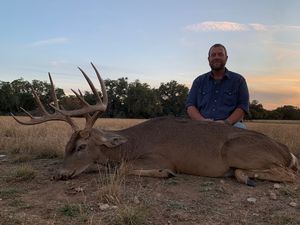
column 163, row 146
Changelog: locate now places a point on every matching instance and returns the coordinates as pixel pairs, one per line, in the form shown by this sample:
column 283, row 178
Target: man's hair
column 217, row 45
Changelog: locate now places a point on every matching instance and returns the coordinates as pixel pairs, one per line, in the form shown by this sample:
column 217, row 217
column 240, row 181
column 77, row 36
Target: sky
column 154, row 41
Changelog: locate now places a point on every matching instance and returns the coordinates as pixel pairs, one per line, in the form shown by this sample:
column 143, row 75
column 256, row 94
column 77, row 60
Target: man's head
column 217, row 57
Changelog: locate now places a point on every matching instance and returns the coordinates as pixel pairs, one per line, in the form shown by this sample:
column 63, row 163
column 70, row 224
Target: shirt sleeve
column 192, row 96
column 243, row 101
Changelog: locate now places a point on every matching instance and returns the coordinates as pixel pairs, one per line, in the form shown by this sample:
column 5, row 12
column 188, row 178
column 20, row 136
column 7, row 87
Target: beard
column 217, row 65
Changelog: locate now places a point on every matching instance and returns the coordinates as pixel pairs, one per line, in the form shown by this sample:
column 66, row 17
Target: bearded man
column 219, row 95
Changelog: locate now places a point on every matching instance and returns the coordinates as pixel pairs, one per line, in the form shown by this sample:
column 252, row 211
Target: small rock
column 103, row 206
column 273, row 195
column 136, row 200
column 251, row 200
column 277, row 186
column 255, row 214
column 78, row 189
column 293, row 204
column 114, row 207
column 2, row 156
column 222, row 181
column 158, row 195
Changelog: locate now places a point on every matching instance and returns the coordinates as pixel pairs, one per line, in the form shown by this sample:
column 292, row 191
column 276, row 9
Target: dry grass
column 130, row 216
column 46, row 140
column 111, row 185
column 43, row 140
column 286, row 133
column 24, row 172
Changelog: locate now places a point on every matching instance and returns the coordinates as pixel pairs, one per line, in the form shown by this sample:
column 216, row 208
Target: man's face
column 217, row 58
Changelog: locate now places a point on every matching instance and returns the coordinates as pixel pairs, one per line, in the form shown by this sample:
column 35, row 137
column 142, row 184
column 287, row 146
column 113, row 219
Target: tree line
column 126, row 100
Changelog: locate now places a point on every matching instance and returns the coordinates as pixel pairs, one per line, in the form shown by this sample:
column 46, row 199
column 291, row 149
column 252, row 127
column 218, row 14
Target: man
column 219, row 95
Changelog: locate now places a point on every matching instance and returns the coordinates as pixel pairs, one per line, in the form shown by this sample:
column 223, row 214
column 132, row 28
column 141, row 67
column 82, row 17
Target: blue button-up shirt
column 217, row 99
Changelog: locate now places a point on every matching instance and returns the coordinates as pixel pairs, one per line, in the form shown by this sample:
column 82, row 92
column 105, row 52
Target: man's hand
column 204, row 119
column 220, row 121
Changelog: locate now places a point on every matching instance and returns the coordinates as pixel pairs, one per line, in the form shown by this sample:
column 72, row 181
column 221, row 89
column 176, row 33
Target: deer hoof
column 251, row 182
column 166, row 173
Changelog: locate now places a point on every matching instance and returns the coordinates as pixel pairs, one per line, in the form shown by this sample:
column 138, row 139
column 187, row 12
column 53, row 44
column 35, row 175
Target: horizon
column 154, row 42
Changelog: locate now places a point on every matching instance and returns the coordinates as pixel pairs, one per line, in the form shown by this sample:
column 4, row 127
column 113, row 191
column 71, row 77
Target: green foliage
column 117, row 93
column 172, row 97
column 18, row 94
column 69, row 210
column 8, row 193
column 142, row 101
column 286, row 112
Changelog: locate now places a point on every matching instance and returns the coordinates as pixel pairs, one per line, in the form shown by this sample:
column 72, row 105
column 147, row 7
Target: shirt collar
column 227, row 74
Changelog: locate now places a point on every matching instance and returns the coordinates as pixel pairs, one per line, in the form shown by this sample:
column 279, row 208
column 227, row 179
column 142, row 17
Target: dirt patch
column 181, row 200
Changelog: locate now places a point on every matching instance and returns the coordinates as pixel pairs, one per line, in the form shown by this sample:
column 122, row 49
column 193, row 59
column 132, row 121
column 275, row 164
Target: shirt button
column 213, row 109
column 217, row 91
column 215, row 100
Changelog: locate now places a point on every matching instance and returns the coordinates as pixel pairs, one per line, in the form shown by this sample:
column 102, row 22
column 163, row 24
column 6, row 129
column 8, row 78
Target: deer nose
column 63, row 174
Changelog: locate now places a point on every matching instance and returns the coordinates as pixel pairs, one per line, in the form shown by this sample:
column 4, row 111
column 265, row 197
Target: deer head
column 84, row 146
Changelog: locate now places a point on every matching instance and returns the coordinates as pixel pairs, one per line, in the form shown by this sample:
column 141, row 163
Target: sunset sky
column 154, row 41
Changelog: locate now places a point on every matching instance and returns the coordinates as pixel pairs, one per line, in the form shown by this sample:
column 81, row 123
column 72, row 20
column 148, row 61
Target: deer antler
column 86, row 109
column 64, row 115
column 46, row 115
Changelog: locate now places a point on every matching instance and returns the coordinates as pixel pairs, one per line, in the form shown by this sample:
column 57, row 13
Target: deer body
column 164, row 146
column 161, row 147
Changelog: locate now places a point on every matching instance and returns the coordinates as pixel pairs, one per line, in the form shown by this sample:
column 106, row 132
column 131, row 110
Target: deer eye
column 81, row 147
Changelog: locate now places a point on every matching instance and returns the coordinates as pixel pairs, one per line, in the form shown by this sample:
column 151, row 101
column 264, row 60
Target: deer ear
column 112, row 140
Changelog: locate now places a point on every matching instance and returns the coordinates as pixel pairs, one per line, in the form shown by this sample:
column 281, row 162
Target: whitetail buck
column 161, row 147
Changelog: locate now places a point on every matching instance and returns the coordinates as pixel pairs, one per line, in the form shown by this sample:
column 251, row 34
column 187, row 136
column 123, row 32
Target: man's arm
column 243, row 104
column 194, row 114
column 237, row 115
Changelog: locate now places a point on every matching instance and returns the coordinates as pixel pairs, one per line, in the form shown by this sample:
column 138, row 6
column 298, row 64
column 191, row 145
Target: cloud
column 52, row 41
column 58, row 63
column 233, row 26
column 216, row 26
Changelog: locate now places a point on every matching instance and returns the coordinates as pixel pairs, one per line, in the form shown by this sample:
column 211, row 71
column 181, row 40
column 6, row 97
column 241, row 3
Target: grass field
column 29, row 156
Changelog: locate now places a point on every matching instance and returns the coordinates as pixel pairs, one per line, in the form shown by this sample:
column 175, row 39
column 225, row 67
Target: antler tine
column 91, row 85
column 103, row 89
column 87, row 108
column 46, row 116
column 80, row 93
column 80, row 97
column 52, row 90
column 38, row 101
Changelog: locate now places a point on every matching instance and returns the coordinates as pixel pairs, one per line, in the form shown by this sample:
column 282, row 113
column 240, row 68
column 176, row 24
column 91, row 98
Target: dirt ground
column 181, row 200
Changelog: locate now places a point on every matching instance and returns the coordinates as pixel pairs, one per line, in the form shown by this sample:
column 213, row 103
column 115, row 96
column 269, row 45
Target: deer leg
column 242, row 176
column 160, row 173
column 151, row 167
column 279, row 174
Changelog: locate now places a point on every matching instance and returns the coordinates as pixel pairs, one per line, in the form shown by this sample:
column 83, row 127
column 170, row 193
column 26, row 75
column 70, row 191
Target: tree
column 142, row 101
column 117, row 93
column 288, row 112
column 173, row 97
column 6, row 97
column 256, row 111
